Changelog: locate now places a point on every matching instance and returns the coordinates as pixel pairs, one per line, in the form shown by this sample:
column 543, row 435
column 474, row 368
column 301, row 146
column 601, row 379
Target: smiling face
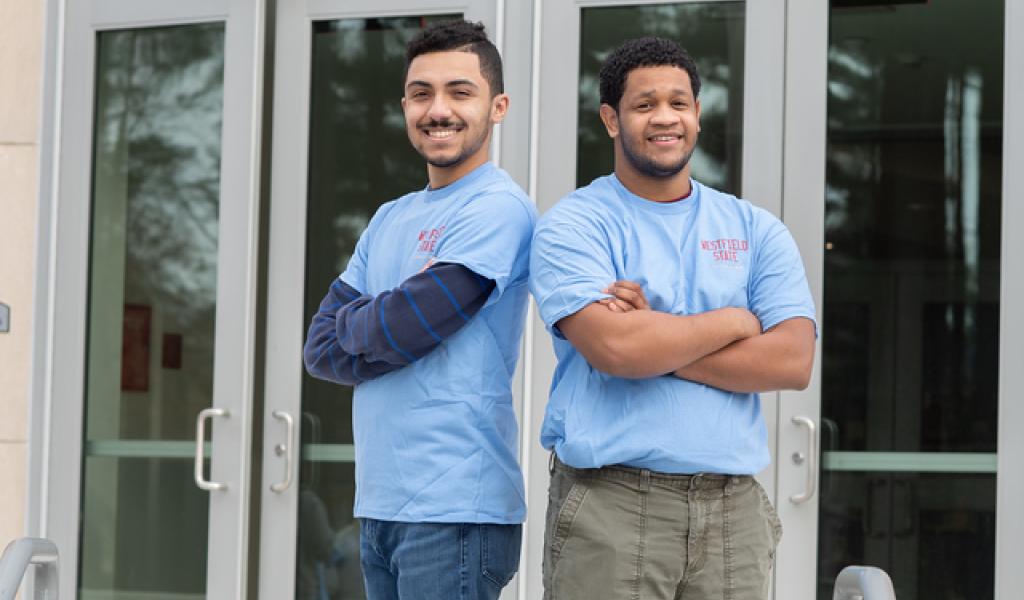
column 655, row 128
column 449, row 112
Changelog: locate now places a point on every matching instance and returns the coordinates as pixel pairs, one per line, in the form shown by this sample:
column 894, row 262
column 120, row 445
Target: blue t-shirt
column 436, row 441
column 708, row 251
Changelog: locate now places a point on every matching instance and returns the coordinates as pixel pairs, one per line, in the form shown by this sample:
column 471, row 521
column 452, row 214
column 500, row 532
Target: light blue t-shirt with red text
column 707, row 251
column 436, row 441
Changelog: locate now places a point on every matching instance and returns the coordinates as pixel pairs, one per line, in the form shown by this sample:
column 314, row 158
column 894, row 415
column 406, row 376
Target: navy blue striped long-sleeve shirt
column 356, row 337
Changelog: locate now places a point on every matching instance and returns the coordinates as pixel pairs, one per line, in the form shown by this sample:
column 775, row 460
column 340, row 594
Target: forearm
column 778, row 359
column 648, row 343
column 356, row 337
column 323, row 354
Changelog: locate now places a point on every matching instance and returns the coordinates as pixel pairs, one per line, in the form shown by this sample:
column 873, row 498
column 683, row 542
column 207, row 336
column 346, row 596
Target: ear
column 403, row 102
column 696, row 104
column 610, row 118
column 499, row 108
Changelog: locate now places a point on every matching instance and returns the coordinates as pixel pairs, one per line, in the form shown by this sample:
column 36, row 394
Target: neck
column 442, row 176
column 655, row 189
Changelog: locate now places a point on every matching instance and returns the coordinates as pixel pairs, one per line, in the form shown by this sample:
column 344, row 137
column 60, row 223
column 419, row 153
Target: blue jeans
column 437, row 561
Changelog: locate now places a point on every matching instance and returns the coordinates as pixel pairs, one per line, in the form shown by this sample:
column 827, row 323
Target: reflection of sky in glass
column 713, row 34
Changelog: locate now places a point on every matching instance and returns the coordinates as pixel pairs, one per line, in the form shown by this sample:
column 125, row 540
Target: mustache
column 443, row 124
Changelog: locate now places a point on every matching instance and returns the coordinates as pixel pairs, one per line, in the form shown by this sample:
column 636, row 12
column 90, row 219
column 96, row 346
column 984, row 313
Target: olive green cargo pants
column 620, row 533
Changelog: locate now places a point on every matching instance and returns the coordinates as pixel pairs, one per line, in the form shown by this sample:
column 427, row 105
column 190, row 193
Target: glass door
column 910, row 353
column 907, row 224
column 738, row 47
column 157, row 216
column 349, row 155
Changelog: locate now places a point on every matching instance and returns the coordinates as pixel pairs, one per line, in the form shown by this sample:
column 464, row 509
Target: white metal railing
column 863, row 583
column 17, row 558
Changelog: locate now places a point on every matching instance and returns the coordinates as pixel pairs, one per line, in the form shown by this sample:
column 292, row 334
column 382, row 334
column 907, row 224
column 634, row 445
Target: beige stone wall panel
column 21, row 51
column 18, row 185
column 12, row 492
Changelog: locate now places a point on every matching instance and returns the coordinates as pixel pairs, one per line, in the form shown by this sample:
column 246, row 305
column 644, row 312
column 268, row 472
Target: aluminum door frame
column 806, row 72
column 62, row 274
column 552, row 175
column 1010, row 447
column 285, row 328
column 804, row 207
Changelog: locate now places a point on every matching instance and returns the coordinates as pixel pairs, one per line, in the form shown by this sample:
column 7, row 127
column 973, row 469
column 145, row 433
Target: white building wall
column 21, row 45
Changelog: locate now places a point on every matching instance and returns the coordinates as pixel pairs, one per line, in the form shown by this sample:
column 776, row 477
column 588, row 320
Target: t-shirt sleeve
column 354, row 274
column 570, row 263
column 778, row 284
column 490, row 236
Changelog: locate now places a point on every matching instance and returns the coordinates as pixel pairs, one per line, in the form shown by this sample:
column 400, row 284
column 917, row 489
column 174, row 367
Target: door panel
column 331, row 174
column 152, row 305
column 154, row 293
column 913, row 204
column 737, row 46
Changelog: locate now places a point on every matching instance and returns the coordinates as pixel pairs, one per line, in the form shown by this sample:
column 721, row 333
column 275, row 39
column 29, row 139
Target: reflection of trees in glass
column 158, row 129
column 155, row 203
column 713, row 35
column 359, row 158
column 911, row 338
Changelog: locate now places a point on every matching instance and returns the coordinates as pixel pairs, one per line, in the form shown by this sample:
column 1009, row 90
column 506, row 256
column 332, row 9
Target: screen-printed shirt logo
column 726, row 251
column 428, row 239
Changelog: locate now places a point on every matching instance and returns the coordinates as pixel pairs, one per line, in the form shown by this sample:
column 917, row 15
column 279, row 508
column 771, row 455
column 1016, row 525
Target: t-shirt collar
column 460, row 183
column 675, row 207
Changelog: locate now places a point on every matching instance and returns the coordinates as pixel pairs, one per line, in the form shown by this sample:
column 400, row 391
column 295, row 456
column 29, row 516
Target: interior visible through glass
column 911, row 294
column 712, row 32
column 359, row 158
column 151, row 309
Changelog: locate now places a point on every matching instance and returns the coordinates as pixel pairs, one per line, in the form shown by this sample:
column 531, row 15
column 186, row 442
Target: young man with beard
column 671, row 306
column 425, row 322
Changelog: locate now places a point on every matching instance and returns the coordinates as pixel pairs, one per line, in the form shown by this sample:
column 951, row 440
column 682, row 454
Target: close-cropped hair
column 462, row 36
column 643, row 52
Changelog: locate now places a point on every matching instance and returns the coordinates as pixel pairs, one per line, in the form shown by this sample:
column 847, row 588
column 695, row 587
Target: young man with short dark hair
column 425, row 322
column 671, row 306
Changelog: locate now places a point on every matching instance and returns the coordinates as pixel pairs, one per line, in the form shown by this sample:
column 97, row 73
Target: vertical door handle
column 811, row 459
column 201, row 481
column 285, row 450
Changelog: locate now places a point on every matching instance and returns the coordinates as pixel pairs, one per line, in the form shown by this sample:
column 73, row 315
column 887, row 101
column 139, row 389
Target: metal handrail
column 16, row 559
column 863, row 583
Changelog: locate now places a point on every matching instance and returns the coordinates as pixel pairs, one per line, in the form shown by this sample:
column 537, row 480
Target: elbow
column 800, row 372
column 612, row 357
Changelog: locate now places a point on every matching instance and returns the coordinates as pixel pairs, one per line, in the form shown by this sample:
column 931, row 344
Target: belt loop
column 551, row 462
column 645, row 481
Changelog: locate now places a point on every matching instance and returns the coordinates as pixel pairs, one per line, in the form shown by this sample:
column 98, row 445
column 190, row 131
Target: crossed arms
column 356, row 337
column 723, row 348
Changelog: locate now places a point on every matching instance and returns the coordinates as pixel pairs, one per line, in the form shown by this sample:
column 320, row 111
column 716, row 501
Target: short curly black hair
column 643, row 52
column 463, row 36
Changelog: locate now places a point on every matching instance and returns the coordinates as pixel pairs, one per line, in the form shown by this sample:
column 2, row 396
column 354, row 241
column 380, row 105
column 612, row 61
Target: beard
column 469, row 148
column 647, row 165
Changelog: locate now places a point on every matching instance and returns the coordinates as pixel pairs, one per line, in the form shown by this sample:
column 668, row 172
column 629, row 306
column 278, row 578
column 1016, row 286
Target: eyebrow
column 449, row 84
column 674, row 91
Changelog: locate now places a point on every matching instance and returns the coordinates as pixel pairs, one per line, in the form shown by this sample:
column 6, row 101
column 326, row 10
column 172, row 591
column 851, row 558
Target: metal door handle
column 285, row 450
column 205, row 414
column 811, row 460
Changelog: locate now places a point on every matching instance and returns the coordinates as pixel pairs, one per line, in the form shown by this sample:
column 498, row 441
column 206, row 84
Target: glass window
column 152, row 301
column 712, row 32
column 359, row 158
column 911, row 294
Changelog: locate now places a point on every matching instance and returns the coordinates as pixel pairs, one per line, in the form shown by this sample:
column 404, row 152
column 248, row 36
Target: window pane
column 152, row 301
column 359, row 158
column 712, row 33
column 911, row 313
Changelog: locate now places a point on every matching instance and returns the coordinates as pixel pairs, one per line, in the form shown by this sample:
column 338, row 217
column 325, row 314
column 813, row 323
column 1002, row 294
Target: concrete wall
column 21, row 48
